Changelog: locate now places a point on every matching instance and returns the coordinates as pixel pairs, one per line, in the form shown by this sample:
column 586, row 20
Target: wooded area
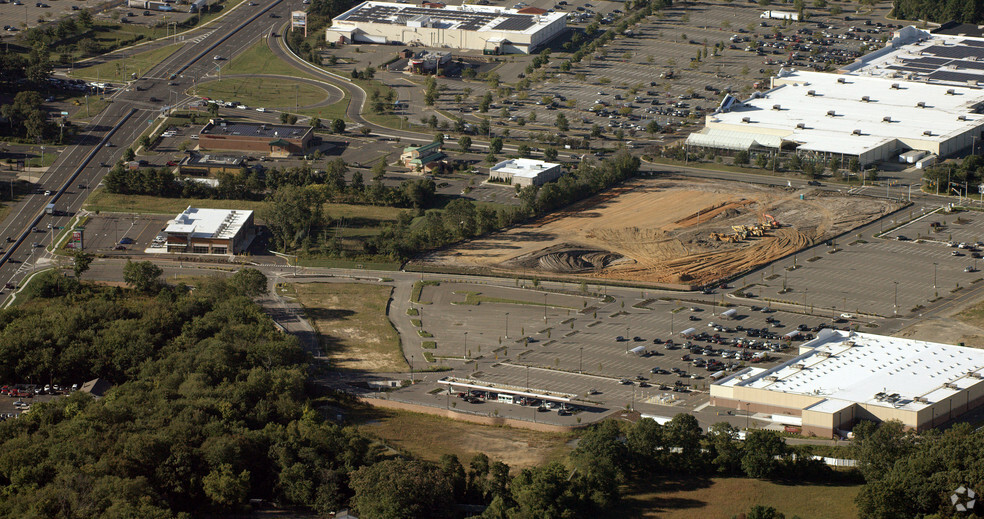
column 940, row 11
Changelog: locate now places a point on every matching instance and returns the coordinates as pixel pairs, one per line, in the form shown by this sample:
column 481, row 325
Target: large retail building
column 273, row 139
column 842, row 377
column 920, row 92
column 493, row 30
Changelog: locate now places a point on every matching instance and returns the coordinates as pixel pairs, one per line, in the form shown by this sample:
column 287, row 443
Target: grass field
column 351, row 320
column 259, row 59
column 726, row 497
column 104, row 201
column 254, row 92
column 115, row 71
column 430, row 437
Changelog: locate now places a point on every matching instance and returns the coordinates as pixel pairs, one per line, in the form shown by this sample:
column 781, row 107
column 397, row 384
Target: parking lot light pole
column 544, row 308
column 411, row 369
column 934, row 275
column 896, row 297
column 580, row 360
column 507, row 324
column 527, row 378
column 465, row 355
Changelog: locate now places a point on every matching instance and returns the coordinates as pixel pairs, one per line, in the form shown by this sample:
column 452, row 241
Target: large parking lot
column 584, row 345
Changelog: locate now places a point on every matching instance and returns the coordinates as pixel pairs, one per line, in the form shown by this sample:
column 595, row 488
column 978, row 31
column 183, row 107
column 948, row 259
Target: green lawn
column 280, row 94
column 727, row 497
column 115, row 71
column 351, row 321
column 259, row 59
column 104, row 201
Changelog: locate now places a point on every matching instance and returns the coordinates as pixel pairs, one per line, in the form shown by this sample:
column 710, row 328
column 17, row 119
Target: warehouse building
column 493, row 30
column 278, row 140
column 525, row 172
column 210, row 231
column 845, row 116
column 842, row 377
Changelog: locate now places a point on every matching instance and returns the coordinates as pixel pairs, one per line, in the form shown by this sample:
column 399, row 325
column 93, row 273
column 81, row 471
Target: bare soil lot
column 666, row 231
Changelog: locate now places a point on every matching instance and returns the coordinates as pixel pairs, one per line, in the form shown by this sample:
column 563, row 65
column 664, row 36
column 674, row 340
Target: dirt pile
column 668, row 230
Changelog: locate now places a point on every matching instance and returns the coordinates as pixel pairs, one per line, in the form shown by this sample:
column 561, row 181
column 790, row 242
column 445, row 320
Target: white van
column 505, row 399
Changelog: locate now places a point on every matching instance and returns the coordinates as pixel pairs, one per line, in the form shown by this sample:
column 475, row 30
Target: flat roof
column 466, row 17
column 266, row 131
column 208, row 223
column 953, row 56
column 850, row 367
column 826, row 120
column 524, row 167
column 209, row 159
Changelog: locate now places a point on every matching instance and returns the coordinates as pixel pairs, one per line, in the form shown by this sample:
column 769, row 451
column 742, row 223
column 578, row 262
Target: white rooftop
column 917, row 55
column 208, row 223
column 468, row 17
column 850, row 367
column 524, row 167
column 830, row 115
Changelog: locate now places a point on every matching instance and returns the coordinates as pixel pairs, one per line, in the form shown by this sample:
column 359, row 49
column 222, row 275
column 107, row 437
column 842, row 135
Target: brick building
column 274, row 139
column 210, row 231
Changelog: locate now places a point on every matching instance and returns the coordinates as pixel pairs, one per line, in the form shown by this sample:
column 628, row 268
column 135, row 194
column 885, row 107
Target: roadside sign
column 65, row 114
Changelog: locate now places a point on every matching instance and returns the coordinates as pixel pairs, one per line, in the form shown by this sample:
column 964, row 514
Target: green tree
column 225, row 487
column 465, row 143
column 81, row 262
column 562, row 124
column 762, row 448
column 338, row 126
column 741, row 158
column 315, row 122
column 128, row 155
column 249, row 282
column 401, row 489
column 523, row 150
column 143, row 276
column 495, row 145
column 595, row 131
column 550, row 154
column 764, row 512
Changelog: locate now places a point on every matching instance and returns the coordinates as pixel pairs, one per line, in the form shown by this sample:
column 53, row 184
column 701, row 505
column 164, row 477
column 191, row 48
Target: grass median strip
column 418, row 287
column 276, row 93
column 119, row 70
column 476, row 298
column 352, row 325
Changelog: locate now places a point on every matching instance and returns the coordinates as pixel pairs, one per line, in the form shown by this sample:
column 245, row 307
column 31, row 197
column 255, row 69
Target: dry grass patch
column 429, row 437
column 727, row 497
column 352, row 324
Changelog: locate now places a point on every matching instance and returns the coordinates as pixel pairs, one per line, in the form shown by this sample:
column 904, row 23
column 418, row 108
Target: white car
column 261, row 109
column 217, row 58
column 242, row 107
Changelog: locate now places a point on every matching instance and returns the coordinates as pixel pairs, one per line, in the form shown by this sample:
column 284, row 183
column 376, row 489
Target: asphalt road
column 130, row 113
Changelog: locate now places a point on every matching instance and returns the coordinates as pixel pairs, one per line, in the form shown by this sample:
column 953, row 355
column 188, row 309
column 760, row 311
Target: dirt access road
column 663, row 231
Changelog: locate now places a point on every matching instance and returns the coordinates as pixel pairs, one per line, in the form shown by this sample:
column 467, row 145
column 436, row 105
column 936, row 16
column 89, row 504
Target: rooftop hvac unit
column 800, row 126
column 887, row 119
column 776, row 107
column 841, row 80
column 746, row 119
column 865, row 99
column 831, row 113
column 811, row 93
column 799, row 366
column 856, row 132
column 895, row 86
column 951, row 92
column 921, row 399
column 928, row 133
column 824, row 354
column 950, row 385
column 961, row 117
column 974, row 374
column 921, row 104
column 880, row 395
column 771, row 378
column 849, row 344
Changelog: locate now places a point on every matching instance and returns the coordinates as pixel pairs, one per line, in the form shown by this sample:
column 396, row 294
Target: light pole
column 934, row 276
column 527, row 378
column 466, row 346
column 507, row 323
column 580, row 359
column 896, row 297
column 544, row 308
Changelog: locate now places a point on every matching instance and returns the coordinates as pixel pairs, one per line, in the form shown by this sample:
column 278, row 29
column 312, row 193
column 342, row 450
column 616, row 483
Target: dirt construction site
column 666, row 231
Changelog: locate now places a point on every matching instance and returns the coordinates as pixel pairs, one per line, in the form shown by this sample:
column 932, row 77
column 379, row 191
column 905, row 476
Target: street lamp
column 580, row 359
column 544, row 308
column 411, row 369
column 527, row 378
column 507, row 322
column 466, row 346
column 934, row 274
column 896, row 297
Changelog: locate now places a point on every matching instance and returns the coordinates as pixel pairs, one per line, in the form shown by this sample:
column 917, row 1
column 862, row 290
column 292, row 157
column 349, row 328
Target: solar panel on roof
column 514, row 24
column 946, row 75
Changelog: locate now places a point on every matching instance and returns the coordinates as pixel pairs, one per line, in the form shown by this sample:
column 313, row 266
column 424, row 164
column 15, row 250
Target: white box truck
column 781, row 15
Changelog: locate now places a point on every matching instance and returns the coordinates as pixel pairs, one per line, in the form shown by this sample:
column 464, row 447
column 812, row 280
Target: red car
column 172, row 163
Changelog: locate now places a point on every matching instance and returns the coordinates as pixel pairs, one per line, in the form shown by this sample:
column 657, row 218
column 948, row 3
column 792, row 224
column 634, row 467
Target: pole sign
column 78, row 239
column 298, row 19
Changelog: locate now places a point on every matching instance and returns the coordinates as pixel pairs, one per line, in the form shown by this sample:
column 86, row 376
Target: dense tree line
column 966, row 11
column 463, row 219
column 208, row 407
column 909, row 475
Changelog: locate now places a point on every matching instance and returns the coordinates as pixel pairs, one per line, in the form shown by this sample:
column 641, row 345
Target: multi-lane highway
column 26, row 230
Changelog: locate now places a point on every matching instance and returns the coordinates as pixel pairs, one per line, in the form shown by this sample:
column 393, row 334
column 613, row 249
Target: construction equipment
column 771, row 221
